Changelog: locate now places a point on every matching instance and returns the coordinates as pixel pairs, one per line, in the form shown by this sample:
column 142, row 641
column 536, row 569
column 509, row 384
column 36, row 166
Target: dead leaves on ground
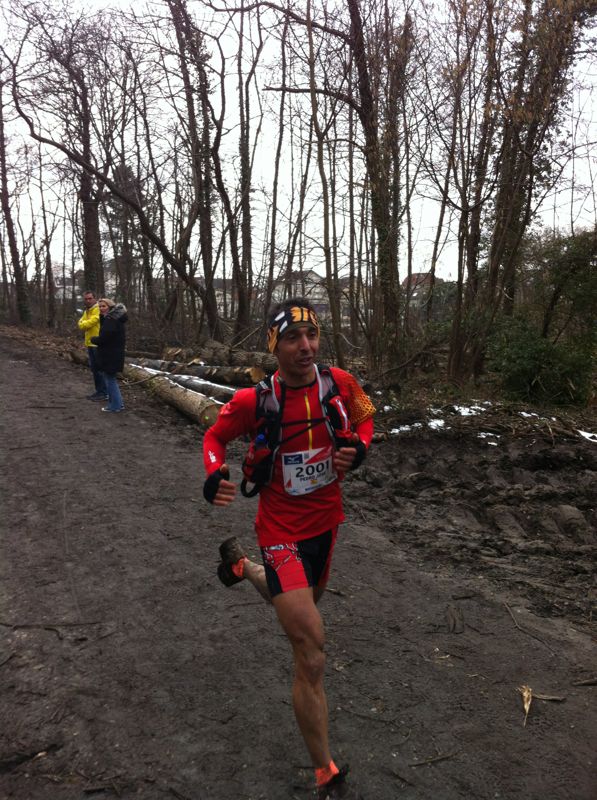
column 528, row 696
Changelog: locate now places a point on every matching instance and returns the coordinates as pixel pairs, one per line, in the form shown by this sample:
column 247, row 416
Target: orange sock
column 325, row 774
column 239, row 567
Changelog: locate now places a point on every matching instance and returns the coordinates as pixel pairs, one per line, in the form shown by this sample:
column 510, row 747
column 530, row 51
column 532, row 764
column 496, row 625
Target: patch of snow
column 485, row 434
column 148, row 369
column 528, row 414
column 405, row 428
column 387, row 408
column 592, row 437
column 436, row 423
column 468, row 411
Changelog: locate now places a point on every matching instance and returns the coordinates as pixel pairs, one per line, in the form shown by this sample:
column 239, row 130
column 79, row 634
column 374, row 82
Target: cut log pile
column 217, row 353
column 199, row 407
column 220, row 393
column 234, row 376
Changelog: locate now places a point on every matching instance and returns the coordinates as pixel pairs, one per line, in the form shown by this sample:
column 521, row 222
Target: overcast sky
column 572, row 205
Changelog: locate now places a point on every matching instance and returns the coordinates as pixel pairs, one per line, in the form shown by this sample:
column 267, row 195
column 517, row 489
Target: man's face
column 89, row 299
column 296, row 351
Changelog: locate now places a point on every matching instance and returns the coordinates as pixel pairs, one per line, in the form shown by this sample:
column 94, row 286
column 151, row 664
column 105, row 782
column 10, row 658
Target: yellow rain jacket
column 90, row 323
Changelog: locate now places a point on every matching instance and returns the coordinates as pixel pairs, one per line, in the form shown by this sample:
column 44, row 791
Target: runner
column 310, row 425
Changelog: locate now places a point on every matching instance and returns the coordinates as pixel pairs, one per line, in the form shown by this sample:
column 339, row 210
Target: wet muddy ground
column 465, row 571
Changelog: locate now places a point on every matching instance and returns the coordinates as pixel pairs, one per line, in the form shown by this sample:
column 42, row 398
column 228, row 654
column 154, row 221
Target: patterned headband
column 290, row 318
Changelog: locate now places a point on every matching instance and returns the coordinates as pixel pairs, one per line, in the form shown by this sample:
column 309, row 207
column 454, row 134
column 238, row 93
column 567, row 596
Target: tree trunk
column 331, row 285
column 23, row 307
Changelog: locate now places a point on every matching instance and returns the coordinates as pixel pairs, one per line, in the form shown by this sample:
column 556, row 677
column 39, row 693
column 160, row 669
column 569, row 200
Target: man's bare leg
column 255, row 574
column 303, row 626
column 236, row 565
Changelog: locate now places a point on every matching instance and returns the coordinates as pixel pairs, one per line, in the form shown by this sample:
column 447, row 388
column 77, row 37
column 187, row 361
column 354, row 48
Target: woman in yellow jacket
column 90, row 324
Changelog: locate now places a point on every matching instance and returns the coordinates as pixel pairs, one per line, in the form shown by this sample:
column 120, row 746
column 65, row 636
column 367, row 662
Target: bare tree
column 18, row 269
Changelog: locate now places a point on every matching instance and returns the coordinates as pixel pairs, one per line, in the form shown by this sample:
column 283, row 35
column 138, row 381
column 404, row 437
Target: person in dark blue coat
column 110, row 349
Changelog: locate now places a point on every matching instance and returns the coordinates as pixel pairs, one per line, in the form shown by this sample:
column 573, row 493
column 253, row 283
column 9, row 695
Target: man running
column 323, row 423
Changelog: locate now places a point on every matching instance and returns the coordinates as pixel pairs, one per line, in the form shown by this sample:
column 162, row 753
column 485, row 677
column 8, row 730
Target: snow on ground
column 438, row 422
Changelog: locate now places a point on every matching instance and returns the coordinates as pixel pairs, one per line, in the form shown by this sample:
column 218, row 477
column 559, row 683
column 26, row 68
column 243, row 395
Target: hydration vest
column 258, row 465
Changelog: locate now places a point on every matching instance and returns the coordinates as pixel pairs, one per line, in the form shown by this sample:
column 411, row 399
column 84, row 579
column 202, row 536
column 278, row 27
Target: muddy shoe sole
column 231, row 551
column 226, row 575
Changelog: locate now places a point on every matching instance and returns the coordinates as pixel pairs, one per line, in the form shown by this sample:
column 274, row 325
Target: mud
column 465, row 570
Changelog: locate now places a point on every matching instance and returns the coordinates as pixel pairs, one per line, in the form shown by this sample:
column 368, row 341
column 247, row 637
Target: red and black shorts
column 298, row 565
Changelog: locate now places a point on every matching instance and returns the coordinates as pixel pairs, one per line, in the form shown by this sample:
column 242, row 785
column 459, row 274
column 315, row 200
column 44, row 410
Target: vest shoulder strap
column 328, row 384
column 266, row 400
column 267, row 403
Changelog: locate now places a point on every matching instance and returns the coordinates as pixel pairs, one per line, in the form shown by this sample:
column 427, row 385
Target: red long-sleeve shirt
column 283, row 517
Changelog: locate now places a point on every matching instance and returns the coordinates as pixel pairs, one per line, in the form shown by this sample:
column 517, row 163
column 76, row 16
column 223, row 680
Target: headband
column 290, row 318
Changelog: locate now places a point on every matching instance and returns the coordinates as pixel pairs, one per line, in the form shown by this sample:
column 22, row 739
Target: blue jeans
column 115, row 398
column 98, row 377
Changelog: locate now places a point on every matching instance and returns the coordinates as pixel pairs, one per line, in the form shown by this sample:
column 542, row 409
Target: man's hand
column 343, row 459
column 348, row 458
column 217, row 489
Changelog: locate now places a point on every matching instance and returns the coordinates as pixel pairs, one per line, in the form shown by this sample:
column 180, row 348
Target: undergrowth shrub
column 533, row 368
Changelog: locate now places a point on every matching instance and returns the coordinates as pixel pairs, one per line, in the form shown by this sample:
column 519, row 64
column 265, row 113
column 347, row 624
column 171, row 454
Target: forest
column 422, row 171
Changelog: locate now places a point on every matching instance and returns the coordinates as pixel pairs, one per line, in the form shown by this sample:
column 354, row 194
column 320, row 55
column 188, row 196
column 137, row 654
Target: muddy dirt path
column 127, row 670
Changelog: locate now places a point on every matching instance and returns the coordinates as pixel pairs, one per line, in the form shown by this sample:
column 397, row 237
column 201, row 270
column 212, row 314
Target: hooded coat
column 111, row 340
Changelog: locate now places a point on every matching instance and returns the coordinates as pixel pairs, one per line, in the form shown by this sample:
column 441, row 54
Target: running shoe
column 338, row 788
column 231, row 552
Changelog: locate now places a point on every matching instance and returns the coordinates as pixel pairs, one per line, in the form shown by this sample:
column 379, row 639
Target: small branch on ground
column 6, row 660
column 528, row 633
column 335, row 591
column 400, row 777
column 586, row 682
column 433, row 759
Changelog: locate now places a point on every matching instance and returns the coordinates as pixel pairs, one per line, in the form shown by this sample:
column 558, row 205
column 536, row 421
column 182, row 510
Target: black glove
column 360, row 454
column 210, row 487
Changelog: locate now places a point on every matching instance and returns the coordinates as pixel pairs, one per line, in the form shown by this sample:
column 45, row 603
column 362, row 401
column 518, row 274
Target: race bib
column 308, row 470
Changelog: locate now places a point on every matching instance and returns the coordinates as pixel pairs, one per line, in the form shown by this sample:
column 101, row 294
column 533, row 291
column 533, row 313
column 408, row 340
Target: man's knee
column 309, row 659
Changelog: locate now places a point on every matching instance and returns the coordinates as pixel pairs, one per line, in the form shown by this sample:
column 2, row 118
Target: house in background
column 306, row 284
column 111, row 279
column 417, row 285
column 67, row 284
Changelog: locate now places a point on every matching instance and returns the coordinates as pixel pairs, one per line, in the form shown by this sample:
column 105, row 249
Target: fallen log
column 234, row 376
column 215, row 390
column 211, row 353
column 217, row 353
column 220, row 393
column 160, row 364
column 197, row 407
column 266, row 361
column 201, row 409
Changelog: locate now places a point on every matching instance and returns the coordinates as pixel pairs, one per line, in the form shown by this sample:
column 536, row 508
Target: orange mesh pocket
column 358, row 404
